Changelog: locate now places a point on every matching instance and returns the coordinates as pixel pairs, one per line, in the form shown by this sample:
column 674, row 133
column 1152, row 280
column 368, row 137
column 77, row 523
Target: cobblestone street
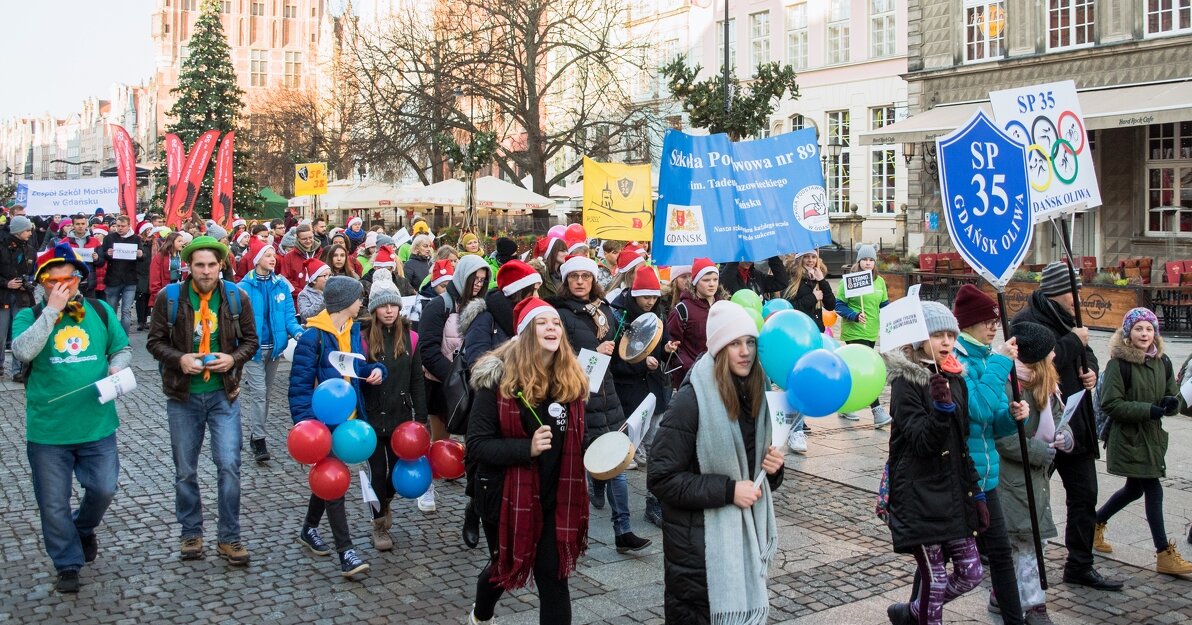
column 835, row 564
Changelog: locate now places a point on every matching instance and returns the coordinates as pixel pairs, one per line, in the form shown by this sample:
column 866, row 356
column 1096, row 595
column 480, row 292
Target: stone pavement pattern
column 834, row 564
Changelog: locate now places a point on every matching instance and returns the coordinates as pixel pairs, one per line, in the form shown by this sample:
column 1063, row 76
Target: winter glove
column 1169, row 404
column 1064, row 441
column 941, row 393
column 1050, row 456
column 1156, row 412
column 982, row 513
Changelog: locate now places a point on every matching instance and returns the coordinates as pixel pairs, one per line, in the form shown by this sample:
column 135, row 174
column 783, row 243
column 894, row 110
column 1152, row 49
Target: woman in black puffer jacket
column 590, row 324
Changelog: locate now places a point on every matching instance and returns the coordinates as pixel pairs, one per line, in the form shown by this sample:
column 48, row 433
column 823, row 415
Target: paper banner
column 594, row 365
column 344, row 363
column 639, row 420
column 401, row 237
column 618, row 201
column 120, row 383
column 310, row 179
column 782, row 417
column 858, row 284
column 1070, row 406
column 1186, row 391
column 902, row 323
column 288, row 352
column 124, row 251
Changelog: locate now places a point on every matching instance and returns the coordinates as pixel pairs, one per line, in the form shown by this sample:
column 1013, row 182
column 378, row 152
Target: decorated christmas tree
column 208, row 99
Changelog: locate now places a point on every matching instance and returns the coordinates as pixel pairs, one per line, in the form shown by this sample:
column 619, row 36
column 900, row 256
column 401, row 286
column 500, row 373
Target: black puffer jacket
column 674, row 477
column 486, row 324
column 805, row 302
column 932, row 477
column 431, row 327
column 755, row 280
column 1043, row 311
column 18, row 259
column 401, row 396
column 603, row 408
column 635, row 381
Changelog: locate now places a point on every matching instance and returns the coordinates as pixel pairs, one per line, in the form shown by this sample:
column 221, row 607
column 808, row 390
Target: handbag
column 458, row 393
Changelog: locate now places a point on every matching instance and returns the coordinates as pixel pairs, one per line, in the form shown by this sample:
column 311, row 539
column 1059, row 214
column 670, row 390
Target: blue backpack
column 171, row 293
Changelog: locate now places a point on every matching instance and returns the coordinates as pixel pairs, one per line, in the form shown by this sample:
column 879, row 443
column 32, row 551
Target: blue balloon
column 333, row 401
column 411, row 478
column 819, row 384
column 784, row 338
column 353, row 441
column 775, row 305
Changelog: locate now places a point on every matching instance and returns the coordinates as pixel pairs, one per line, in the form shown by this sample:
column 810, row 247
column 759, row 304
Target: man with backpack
column 1053, row 306
column 202, row 333
column 69, row 342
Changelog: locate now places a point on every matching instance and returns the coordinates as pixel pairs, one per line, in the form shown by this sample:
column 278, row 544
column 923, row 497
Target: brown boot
column 380, row 537
column 1170, row 561
column 1099, row 539
column 388, row 519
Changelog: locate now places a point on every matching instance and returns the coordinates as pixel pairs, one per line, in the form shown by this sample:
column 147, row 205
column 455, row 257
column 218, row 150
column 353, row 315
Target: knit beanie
column 370, row 240
column 972, row 307
column 866, row 251
column 1134, row 315
column 290, row 239
column 215, row 231
column 19, row 224
column 340, row 292
column 468, row 265
column 383, row 290
column 1035, row 341
column 467, row 238
column 1056, row 280
column 531, row 307
column 515, row 275
column 383, row 240
column 727, row 322
column 939, row 319
column 506, row 250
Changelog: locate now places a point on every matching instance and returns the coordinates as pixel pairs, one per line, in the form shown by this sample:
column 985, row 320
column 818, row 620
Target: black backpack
column 1102, row 418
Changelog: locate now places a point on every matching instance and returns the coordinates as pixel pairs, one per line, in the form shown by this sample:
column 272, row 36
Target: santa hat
column 515, row 275
column 256, row 250
column 645, row 283
column 442, row 272
column 244, row 236
column 628, row 259
column 314, row 268
column 385, row 258
column 145, row 225
column 531, row 307
column 355, row 221
column 577, row 263
column 702, row 267
column 99, row 229
column 239, row 223
column 59, row 254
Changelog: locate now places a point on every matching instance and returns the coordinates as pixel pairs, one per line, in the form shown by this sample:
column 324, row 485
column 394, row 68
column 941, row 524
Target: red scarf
column 521, row 509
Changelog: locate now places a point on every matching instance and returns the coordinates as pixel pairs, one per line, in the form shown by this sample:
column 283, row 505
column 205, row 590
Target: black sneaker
column 90, row 548
column 309, row 538
column 631, row 542
column 350, row 564
column 653, row 511
column 259, row 453
column 68, row 581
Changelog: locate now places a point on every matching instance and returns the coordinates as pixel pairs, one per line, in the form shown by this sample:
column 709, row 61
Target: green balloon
column 756, row 316
column 868, row 372
column 748, row 300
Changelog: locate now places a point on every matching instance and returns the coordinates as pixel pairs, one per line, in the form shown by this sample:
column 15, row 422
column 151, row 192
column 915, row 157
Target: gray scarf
column 738, row 544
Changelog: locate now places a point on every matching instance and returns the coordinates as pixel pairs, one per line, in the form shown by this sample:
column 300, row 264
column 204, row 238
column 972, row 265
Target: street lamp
column 908, row 152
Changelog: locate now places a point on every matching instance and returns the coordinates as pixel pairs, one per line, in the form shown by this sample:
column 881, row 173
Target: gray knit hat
column 341, row 292
column 384, row 239
column 19, row 224
column 383, row 290
column 215, row 231
column 939, row 319
column 1056, row 280
column 866, row 251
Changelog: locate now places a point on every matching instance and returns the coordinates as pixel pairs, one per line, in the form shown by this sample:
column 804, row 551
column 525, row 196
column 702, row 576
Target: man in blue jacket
column 273, row 308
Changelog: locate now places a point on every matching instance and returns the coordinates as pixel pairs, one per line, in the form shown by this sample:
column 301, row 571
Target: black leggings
column 380, row 465
column 337, row 517
column 554, row 596
column 866, row 343
column 1136, row 487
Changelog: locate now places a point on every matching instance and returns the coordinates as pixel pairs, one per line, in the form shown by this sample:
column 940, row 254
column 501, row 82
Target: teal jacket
column 985, row 376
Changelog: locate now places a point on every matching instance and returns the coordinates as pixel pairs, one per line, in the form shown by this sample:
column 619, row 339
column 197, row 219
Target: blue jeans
column 616, row 491
column 121, row 299
column 188, row 420
column 6, row 317
column 97, row 468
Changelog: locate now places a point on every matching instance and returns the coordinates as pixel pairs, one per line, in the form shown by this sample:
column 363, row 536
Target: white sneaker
column 472, row 620
column 797, row 441
column 632, row 465
column 848, row 416
column 426, row 502
column 881, row 418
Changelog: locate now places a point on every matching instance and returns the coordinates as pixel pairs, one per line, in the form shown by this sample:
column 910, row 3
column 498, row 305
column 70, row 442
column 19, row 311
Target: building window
column 1168, row 16
column 258, row 68
column 838, row 168
column 882, row 33
column 290, row 10
column 984, row 29
column 190, row 5
column 183, row 53
column 776, row 129
column 838, row 31
column 1169, row 178
column 732, row 43
column 225, row 6
column 881, row 181
column 796, row 35
column 641, row 9
column 258, row 9
column 667, row 53
column 759, row 39
column 881, row 116
column 293, row 69
column 1069, row 24
column 798, row 122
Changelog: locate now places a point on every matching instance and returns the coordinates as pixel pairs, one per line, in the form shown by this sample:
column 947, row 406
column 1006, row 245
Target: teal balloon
column 747, row 299
column 831, row 344
column 774, row 306
column 756, row 316
column 784, row 338
column 819, row 384
column 353, row 441
column 868, row 371
column 333, row 401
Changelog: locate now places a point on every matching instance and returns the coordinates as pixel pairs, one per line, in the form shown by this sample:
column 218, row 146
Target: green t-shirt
column 215, row 382
column 75, row 354
column 851, row 330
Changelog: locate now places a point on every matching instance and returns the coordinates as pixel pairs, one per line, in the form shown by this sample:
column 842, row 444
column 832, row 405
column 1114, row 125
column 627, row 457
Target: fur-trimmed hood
column 469, row 314
column 899, row 366
column 487, row 373
column 1121, row 349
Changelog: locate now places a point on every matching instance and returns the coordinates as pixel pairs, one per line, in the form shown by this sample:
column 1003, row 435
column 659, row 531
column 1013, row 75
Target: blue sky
column 55, row 53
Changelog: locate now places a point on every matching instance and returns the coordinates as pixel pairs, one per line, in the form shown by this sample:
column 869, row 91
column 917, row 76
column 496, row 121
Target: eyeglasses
column 992, row 324
column 53, row 282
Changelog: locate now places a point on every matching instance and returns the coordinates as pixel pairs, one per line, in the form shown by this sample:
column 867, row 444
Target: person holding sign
column 1137, row 392
column 936, row 508
column 525, row 434
column 719, row 533
column 123, row 253
column 66, row 341
column 860, row 319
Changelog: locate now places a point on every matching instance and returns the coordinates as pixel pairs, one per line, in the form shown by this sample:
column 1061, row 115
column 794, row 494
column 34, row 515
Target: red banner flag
column 126, row 171
column 186, row 190
column 221, row 196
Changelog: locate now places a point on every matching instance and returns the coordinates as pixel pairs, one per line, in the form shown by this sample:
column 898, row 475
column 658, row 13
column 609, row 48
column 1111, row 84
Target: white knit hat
column 727, row 322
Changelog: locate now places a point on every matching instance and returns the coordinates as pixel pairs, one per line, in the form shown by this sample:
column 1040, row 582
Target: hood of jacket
column 464, row 269
column 1122, row 349
column 470, row 312
column 322, row 321
column 487, row 373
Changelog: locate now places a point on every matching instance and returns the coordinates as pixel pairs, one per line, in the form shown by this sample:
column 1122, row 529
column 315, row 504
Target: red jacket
column 159, row 275
column 292, row 267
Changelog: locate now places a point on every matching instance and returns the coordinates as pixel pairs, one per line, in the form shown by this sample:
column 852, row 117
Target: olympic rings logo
column 1051, row 148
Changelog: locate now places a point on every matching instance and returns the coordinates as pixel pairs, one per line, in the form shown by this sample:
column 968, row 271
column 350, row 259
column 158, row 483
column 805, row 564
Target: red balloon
column 309, row 441
column 329, row 479
column 447, row 459
column 574, row 234
column 410, row 441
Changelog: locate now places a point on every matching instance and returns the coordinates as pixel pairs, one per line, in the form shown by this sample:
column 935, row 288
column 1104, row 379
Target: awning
column 273, row 204
column 1119, row 107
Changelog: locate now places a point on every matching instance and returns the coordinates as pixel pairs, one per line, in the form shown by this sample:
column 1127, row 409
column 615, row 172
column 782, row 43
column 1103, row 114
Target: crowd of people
column 220, row 309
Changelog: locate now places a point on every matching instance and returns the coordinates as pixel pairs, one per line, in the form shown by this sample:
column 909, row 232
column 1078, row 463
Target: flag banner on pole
column 310, row 179
column 902, row 323
column 126, row 171
column 618, row 202
column 739, row 201
column 186, row 191
column 175, row 160
column 221, row 196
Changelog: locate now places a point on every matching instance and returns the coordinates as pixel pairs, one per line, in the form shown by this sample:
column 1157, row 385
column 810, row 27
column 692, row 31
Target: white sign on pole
column 1047, row 119
column 902, row 323
column 639, row 420
column 120, row 383
column 67, row 197
column 857, row 284
column 124, row 251
column 344, row 363
column 913, row 290
column 594, row 365
column 781, row 418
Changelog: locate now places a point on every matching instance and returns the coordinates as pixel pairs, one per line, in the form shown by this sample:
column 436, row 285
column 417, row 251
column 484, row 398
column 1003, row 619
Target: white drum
column 608, row 456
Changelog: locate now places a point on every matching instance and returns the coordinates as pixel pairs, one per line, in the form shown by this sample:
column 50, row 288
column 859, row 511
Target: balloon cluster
column 312, row 441
column 820, row 375
column 419, row 461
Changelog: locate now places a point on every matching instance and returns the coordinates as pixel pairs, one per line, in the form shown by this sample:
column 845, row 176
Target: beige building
column 1130, row 60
